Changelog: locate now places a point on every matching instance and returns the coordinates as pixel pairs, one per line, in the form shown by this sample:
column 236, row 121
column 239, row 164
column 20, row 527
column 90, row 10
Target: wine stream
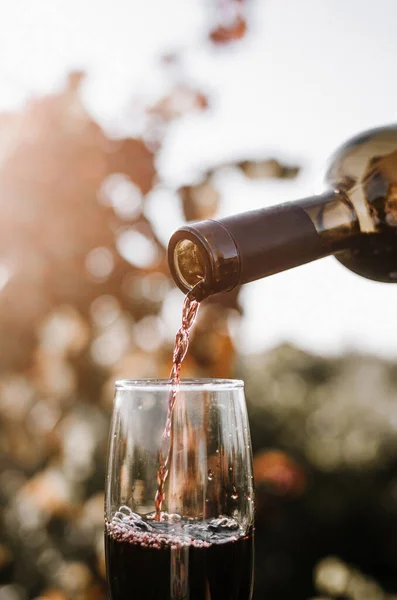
column 189, row 314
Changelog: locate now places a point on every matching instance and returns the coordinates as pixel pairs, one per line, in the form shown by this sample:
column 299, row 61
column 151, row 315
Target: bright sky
column 311, row 74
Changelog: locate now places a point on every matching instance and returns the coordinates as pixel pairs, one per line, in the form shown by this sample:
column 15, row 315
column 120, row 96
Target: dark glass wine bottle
column 355, row 219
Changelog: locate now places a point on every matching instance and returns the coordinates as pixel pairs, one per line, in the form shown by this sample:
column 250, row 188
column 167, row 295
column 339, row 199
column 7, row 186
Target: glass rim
column 198, row 384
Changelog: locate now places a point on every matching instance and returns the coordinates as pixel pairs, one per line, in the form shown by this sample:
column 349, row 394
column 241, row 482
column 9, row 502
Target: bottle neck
column 245, row 247
column 334, row 218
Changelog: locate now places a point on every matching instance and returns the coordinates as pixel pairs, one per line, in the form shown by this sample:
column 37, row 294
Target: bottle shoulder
column 365, row 168
column 350, row 162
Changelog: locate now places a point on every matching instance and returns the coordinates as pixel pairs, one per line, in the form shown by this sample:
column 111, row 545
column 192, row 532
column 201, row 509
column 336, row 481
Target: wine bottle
column 355, row 219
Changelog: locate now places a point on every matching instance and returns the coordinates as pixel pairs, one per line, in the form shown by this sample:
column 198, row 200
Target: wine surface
column 177, row 558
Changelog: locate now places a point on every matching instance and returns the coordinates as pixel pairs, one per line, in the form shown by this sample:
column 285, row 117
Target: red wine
column 189, row 314
column 178, row 559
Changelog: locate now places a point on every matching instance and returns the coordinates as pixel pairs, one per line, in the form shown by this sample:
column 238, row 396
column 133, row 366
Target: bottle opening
column 189, row 263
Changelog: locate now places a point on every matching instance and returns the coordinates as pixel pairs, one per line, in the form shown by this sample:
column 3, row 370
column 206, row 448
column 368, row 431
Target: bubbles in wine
column 172, row 530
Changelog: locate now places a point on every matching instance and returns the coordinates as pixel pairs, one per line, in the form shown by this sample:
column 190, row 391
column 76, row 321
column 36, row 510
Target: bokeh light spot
column 122, row 194
column 99, row 263
column 137, row 249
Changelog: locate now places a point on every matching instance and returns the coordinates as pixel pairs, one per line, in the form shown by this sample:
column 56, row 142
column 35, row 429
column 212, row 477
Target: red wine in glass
column 217, row 555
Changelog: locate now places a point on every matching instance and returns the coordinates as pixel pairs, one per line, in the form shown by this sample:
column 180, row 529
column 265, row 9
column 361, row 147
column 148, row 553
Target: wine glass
column 200, row 546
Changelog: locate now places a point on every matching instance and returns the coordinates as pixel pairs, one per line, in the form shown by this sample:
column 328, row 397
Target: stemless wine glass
column 200, row 547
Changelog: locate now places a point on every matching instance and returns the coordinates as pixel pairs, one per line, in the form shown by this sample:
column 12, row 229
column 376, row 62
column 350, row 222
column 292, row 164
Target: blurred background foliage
column 85, row 296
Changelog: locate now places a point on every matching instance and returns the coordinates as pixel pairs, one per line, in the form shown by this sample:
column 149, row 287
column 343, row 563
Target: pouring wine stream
column 181, row 345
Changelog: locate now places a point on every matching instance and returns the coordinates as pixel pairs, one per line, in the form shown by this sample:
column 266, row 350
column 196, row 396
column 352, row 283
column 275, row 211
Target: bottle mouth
column 204, row 256
column 189, row 263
